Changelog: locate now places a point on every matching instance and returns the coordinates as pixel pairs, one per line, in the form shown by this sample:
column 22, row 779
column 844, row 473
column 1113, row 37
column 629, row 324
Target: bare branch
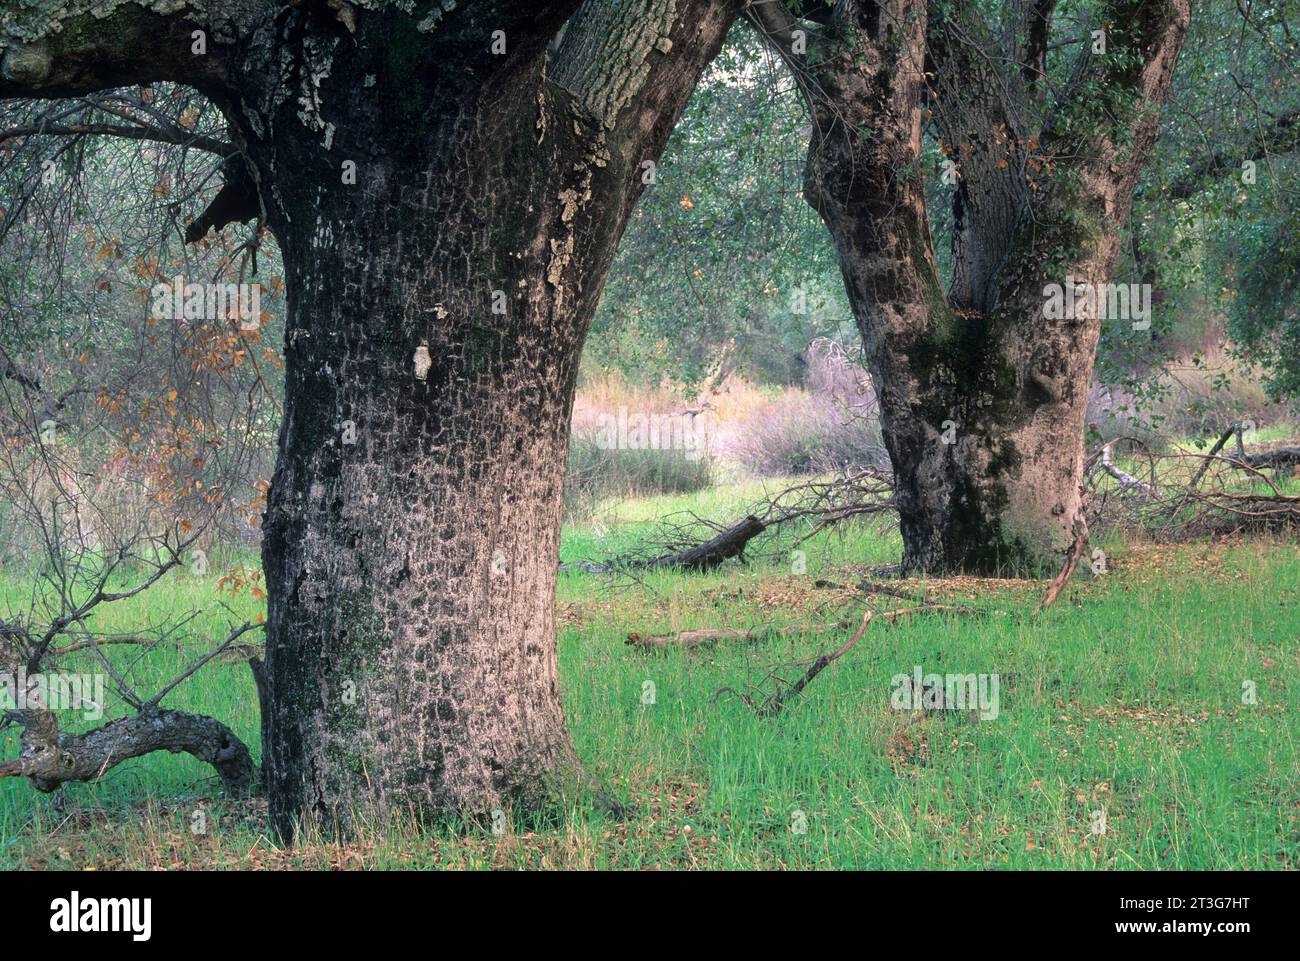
column 51, row 758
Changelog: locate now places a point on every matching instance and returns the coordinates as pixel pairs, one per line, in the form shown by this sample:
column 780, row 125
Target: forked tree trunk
column 983, row 397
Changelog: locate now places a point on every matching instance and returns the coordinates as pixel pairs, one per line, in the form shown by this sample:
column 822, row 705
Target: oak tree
column 447, row 183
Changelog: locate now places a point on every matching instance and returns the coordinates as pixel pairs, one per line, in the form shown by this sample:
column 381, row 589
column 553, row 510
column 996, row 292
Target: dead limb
column 772, row 706
column 707, row 637
column 1067, row 569
column 820, row 504
column 702, row 557
column 1218, row 446
column 51, row 758
column 1127, row 482
column 699, row 638
column 889, row 617
column 698, row 557
column 1225, row 499
column 1280, row 458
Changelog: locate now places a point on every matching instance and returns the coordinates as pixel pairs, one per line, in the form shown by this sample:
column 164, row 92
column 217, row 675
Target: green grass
column 1125, row 698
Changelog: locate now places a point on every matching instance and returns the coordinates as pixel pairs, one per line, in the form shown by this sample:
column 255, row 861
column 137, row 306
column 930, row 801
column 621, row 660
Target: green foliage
column 1218, row 242
column 710, row 271
column 1264, row 305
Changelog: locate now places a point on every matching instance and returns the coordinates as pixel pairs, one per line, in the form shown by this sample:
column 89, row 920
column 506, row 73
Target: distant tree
column 1045, row 123
column 1213, row 218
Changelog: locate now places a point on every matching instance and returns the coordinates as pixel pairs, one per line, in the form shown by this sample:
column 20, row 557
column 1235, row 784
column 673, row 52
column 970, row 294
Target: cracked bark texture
column 411, row 645
column 983, row 399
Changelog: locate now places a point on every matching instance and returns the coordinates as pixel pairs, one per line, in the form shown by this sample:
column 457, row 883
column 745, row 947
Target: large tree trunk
column 983, row 397
column 447, row 195
column 437, row 310
column 411, row 637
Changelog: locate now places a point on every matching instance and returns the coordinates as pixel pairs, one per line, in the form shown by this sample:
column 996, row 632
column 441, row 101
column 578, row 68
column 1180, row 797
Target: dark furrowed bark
column 862, row 177
column 439, row 307
column 448, row 197
column 413, row 569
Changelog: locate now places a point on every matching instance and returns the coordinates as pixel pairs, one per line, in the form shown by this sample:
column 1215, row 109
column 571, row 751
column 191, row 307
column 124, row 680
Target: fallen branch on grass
column 698, row 557
column 889, row 617
column 771, row 706
column 1067, row 568
column 1279, row 458
column 1221, row 495
column 700, row 638
column 50, row 757
column 1127, row 482
column 707, row 637
column 819, row 504
column 1255, row 507
column 702, row 557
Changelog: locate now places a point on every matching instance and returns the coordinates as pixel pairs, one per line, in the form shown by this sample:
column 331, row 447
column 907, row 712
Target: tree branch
column 94, row 45
column 633, row 69
column 51, row 758
column 1282, row 135
column 221, row 148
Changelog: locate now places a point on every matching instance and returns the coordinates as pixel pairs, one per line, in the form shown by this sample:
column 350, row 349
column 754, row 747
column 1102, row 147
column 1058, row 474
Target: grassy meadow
column 1122, row 737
